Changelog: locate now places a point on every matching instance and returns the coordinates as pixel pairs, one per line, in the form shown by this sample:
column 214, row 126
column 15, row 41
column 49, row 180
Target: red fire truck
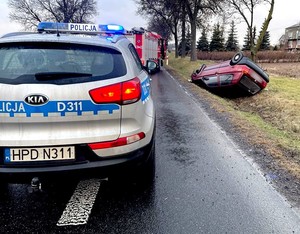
column 150, row 46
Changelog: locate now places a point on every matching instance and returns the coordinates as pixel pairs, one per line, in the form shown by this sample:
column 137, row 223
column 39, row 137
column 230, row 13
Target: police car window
column 135, row 56
column 58, row 63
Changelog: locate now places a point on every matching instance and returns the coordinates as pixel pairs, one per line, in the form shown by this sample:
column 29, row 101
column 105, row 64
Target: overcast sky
column 124, row 12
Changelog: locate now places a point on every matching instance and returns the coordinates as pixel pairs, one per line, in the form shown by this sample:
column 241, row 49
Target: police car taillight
column 119, row 142
column 122, row 93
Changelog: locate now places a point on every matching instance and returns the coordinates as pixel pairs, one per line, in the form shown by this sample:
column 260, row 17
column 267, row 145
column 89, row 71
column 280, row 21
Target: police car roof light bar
column 81, row 28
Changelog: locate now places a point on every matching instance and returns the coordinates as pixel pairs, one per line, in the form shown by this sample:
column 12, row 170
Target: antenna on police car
column 57, row 32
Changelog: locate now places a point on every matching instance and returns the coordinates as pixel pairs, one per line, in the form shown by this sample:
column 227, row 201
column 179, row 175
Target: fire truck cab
column 150, row 47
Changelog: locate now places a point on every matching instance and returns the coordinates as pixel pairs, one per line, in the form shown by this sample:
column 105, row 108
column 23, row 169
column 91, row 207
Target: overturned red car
column 239, row 73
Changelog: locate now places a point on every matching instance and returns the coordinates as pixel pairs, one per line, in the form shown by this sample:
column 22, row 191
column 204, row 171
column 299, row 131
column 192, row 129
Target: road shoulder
column 238, row 130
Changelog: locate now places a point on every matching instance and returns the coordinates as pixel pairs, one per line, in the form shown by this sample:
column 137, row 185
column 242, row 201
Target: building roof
column 294, row 26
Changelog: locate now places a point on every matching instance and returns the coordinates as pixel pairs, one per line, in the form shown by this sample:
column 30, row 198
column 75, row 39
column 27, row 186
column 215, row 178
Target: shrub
column 262, row 56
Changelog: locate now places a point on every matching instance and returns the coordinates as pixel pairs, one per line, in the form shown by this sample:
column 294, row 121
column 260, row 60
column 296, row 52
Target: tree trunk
column 263, row 32
column 176, row 44
column 183, row 41
column 193, row 40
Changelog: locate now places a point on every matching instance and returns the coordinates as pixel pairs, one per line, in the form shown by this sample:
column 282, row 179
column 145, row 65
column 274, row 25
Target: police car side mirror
column 151, row 66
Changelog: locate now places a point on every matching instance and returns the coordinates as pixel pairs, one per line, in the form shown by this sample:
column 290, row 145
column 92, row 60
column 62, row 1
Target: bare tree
column 180, row 12
column 30, row 12
column 183, row 29
column 168, row 11
column 196, row 9
column 157, row 24
column 263, row 30
column 245, row 8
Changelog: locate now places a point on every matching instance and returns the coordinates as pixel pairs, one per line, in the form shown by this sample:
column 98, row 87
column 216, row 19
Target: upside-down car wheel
column 236, row 58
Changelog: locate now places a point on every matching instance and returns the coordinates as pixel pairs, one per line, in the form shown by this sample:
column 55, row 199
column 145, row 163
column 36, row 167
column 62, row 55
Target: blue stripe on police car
column 145, row 90
column 61, row 107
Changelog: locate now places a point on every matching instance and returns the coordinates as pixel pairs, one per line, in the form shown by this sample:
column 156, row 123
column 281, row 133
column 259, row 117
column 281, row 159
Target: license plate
column 39, row 154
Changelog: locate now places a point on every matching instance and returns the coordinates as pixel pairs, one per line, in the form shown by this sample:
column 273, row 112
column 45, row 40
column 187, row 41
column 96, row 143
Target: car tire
column 236, row 58
column 146, row 172
column 142, row 175
column 3, row 187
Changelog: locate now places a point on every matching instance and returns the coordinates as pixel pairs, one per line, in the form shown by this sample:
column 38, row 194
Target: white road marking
column 80, row 205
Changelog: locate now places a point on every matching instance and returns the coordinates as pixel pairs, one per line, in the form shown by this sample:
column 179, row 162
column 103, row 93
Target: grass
column 271, row 117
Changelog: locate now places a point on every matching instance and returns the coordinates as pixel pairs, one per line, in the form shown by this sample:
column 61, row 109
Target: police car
column 74, row 98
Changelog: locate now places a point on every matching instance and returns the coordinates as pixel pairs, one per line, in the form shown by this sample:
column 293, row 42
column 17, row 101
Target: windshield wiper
column 60, row 75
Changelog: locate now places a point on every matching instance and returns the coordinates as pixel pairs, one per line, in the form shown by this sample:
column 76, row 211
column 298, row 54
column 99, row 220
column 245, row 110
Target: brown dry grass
column 282, row 69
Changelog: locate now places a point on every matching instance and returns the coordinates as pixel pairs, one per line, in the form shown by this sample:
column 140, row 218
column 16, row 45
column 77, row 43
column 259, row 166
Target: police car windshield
column 35, row 62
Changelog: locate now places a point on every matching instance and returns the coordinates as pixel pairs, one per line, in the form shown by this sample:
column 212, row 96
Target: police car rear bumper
column 87, row 168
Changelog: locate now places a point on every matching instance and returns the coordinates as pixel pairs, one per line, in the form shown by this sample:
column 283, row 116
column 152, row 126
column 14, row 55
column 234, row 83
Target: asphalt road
column 204, row 184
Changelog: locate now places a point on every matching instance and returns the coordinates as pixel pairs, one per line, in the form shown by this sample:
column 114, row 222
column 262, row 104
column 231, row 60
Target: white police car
column 73, row 100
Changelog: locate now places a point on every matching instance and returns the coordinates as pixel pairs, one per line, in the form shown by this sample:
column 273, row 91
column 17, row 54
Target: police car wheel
column 3, row 186
column 146, row 174
column 236, row 58
column 142, row 175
